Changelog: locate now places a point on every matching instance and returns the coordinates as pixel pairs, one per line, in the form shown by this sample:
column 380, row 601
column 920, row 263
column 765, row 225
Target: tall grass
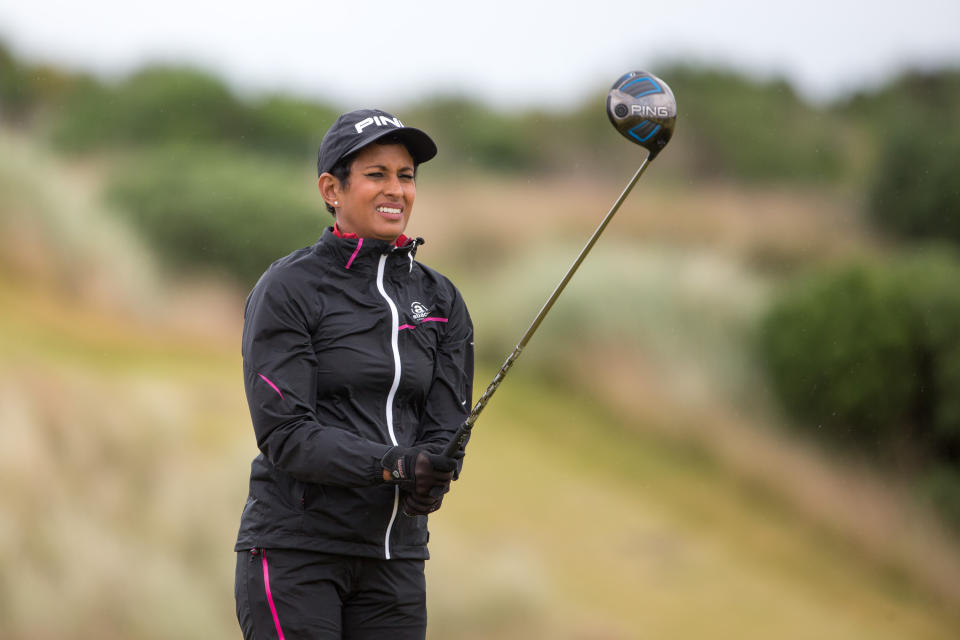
column 687, row 311
column 127, row 446
column 57, row 230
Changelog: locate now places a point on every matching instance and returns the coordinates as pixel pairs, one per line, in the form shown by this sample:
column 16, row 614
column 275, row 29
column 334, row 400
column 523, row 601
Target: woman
column 358, row 366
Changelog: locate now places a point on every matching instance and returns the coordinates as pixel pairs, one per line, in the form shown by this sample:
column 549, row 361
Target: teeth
column 388, row 210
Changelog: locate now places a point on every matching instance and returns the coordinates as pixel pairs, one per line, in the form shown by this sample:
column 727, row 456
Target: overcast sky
column 509, row 53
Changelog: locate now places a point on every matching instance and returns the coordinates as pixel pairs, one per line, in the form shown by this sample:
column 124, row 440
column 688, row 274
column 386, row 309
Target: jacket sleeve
column 279, row 370
column 450, row 397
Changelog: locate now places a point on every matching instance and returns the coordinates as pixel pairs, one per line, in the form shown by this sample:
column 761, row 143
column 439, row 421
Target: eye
column 406, row 176
column 374, row 174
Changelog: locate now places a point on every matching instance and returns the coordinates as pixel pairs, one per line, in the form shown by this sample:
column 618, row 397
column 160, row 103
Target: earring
column 336, row 202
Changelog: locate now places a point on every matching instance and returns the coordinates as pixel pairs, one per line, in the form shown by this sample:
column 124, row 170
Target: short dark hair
column 340, row 171
column 341, row 168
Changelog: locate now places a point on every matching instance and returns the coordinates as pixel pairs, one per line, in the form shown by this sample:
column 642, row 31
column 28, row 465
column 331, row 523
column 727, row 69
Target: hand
column 418, row 471
column 412, row 504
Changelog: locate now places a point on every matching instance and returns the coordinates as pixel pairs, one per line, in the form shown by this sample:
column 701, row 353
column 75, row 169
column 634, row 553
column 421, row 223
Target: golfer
column 358, row 369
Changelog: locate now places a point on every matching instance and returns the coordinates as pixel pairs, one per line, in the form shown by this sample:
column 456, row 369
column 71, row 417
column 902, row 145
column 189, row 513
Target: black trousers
column 289, row 594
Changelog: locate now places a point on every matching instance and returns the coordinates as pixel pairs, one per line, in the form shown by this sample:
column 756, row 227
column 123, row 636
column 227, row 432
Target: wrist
column 398, row 465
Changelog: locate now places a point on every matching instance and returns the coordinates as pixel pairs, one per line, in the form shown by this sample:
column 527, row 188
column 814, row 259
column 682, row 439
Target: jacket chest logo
column 419, row 311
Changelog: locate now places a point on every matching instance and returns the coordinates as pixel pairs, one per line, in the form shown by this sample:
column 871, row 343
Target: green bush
column 940, row 486
column 287, row 126
column 916, row 193
column 467, row 132
column 915, row 96
column 729, row 125
column 932, row 283
column 156, row 105
column 837, row 348
column 15, row 96
column 752, row 129
column 869, row 354
column 219, row 209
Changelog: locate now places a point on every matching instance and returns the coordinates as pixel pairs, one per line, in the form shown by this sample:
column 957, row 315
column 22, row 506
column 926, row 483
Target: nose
column 393, row 187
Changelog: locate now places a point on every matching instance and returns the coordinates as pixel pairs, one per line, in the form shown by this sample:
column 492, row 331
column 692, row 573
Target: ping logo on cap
column 380, row 121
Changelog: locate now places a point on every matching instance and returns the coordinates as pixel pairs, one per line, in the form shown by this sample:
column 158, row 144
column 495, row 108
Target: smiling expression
column 377, row 199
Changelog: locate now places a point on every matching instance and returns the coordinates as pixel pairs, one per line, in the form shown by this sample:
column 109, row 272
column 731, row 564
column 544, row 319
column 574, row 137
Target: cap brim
column 417, row 142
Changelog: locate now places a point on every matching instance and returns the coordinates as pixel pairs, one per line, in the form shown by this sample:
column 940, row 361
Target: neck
column 399, row 241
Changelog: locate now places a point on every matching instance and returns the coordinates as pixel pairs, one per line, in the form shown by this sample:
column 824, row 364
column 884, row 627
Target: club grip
column 459, row 440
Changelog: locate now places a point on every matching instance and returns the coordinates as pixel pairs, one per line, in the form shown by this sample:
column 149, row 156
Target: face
column 378, row 197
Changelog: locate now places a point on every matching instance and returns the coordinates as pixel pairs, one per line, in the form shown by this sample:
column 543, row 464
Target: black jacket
column 349, row 348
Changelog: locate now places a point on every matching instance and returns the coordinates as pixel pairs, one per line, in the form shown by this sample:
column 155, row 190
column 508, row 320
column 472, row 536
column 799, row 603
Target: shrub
column 931, row 282
column 832, row 346
column 469, row 132
column 869, row 354
column 156, row 105
column 218, row 208
column 917, row 95
column 288, row 126
column 940, row 486
column 752, row 129
column 14, row 94
column 916, row 194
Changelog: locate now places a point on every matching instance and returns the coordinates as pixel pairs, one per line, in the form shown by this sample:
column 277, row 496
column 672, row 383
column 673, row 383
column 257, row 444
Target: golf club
column 642, row 108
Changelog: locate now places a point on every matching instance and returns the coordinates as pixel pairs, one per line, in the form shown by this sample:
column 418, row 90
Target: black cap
column 355, row 130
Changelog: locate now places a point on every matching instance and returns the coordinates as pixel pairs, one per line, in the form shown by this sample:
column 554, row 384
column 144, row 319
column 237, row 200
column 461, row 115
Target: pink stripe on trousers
column 266, row 585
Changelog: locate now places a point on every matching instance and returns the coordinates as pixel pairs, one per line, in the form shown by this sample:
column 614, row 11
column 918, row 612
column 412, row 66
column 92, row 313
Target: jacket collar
column 361, row 254
column 401, row 240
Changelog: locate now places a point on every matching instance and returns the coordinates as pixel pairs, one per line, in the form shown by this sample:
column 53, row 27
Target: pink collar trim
column 401, row 240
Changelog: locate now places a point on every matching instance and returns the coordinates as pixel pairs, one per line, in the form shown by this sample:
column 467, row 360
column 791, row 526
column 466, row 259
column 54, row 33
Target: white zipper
column 394, row 332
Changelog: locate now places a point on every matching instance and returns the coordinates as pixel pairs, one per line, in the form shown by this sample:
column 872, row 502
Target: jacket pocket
column 312, row 497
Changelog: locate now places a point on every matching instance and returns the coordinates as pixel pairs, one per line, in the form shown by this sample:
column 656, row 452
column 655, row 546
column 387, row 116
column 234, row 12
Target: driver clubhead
column 642, row 108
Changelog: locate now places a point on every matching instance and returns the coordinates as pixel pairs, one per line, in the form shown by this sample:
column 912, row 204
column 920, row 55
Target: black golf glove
column 418, row 471
column 413, row 504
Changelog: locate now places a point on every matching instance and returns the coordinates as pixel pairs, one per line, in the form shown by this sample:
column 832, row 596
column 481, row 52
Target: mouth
column 391, row 213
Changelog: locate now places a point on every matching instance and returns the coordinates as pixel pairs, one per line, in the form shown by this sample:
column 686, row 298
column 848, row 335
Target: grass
column 606, row 505
column 644, row 538
column 125, row 481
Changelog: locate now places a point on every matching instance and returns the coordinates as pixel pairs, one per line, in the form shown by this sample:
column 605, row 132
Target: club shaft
column 459, row 440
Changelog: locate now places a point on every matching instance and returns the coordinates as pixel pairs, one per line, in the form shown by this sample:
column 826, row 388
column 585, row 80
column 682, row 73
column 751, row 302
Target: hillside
column 655, row 498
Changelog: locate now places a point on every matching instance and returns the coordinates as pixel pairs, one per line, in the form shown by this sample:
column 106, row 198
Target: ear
column 330, row 189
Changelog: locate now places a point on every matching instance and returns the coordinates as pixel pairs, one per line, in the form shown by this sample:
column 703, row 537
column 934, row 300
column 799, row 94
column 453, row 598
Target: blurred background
column 741, row 419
